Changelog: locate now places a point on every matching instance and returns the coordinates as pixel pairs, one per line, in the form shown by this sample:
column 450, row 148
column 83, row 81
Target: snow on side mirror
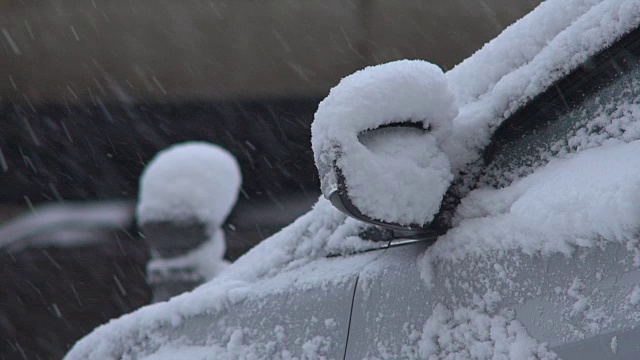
column 377, row 142
column 186, row 193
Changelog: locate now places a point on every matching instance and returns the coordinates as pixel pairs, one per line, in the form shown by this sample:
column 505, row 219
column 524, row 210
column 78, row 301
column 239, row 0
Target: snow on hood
column 400, row 91
column 190, row 180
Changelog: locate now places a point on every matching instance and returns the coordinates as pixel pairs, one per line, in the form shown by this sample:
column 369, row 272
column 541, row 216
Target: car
column 533, row 251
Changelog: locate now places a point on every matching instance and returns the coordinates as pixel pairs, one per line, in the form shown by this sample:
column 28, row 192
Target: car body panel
column 301, row 313
column 393, row 302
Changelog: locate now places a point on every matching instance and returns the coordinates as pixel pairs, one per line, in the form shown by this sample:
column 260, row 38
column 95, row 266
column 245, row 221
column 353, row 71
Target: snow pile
column 514, row 47
column 190, row 180
column 468, row 333
column 588, row 197
column 381, row 178
column 523, row 61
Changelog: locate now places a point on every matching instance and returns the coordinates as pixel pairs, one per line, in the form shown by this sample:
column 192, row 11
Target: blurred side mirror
column 186, row 193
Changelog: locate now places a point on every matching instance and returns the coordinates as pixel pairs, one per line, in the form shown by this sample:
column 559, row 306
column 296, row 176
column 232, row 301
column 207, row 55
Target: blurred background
column 90, row 90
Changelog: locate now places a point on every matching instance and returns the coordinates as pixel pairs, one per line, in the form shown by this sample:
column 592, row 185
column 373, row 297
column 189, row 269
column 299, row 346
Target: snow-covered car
column 532, row 252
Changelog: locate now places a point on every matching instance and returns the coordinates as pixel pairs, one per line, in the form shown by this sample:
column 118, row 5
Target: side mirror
column 377, row 144
column 340, row 196
column 186, row 193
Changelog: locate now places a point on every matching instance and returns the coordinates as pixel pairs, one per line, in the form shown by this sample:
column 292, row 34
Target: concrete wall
column 171, row 50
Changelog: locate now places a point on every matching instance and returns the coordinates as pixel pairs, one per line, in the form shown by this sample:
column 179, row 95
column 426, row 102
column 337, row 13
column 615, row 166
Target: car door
column 298, row 309
column 303, row 314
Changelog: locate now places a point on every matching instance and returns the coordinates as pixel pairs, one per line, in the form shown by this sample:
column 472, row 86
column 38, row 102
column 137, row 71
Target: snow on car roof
column 519, row 64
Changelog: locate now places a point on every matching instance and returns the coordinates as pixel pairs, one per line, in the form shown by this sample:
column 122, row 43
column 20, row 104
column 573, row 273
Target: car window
column 581, row 111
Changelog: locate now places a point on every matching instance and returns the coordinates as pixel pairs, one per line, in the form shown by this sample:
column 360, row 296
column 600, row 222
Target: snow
column 189, row 180
column 634, row 297
column 515, row 47
column 614, row 345
column 330, row 323
column 581, row 303
column 524, row 60
column 400, row 91
column 469, row 333
column 580, row 200
column 611, row 113
column 322, row 231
